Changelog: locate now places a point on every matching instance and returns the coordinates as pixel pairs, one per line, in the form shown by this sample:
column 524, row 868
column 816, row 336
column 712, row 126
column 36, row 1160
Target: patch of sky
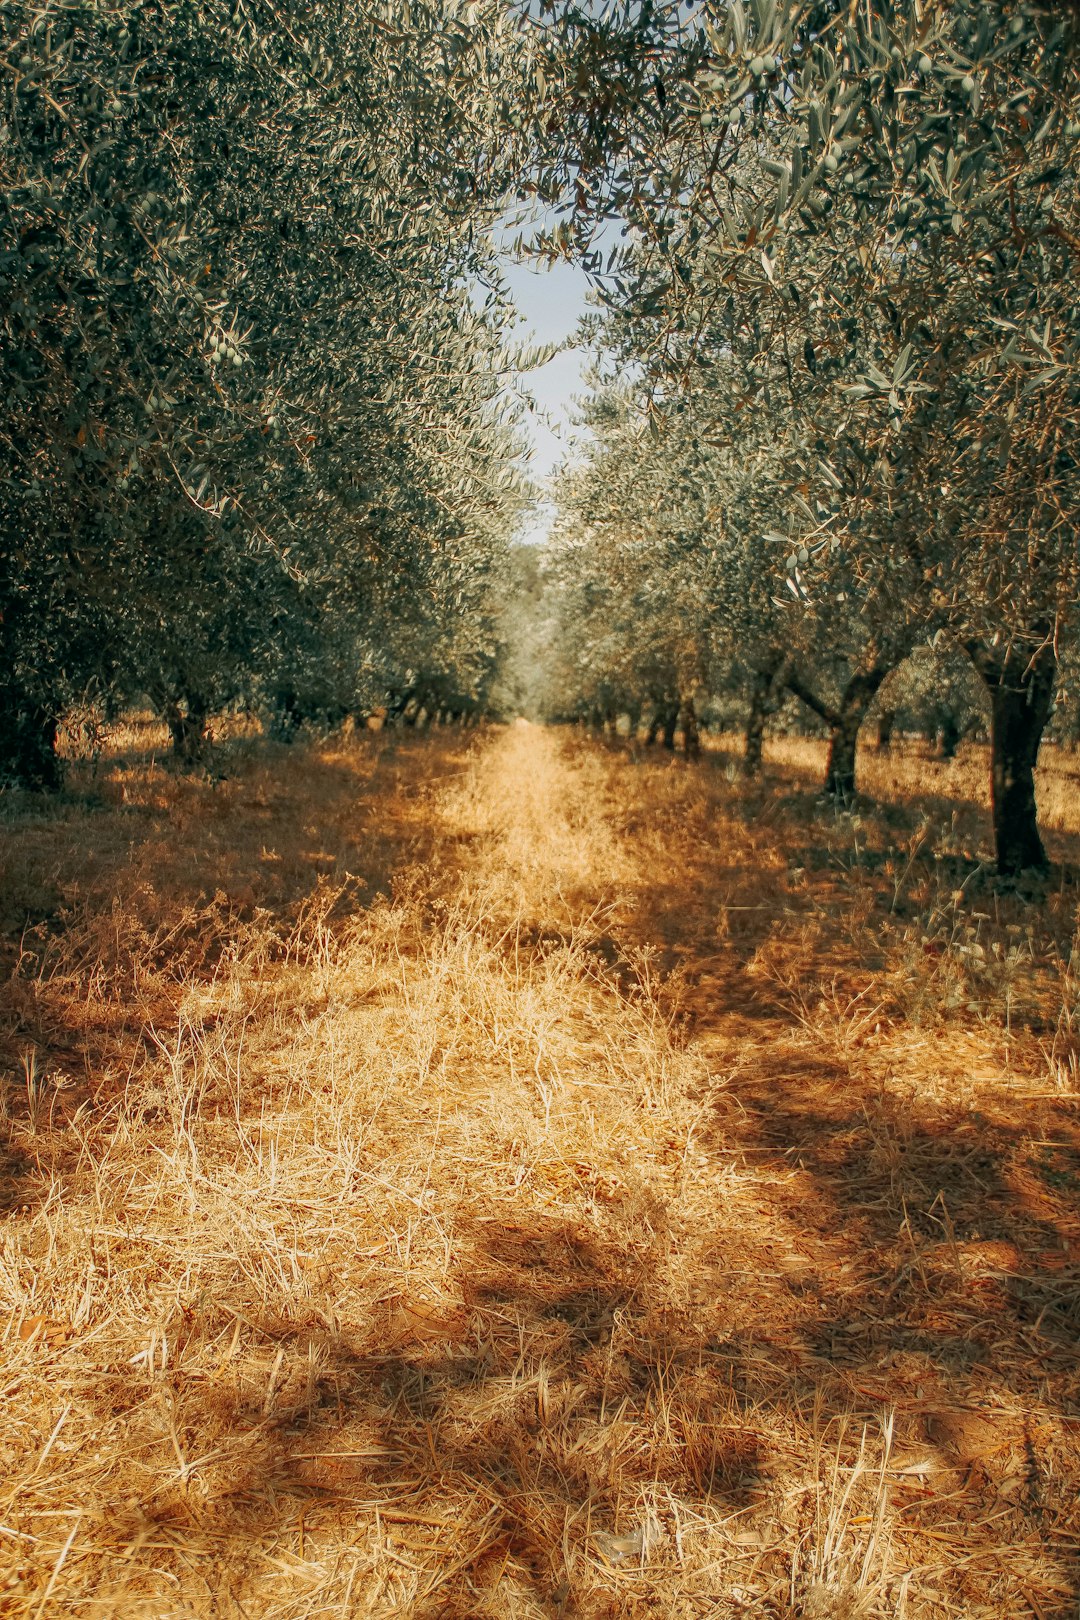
column 551, row 300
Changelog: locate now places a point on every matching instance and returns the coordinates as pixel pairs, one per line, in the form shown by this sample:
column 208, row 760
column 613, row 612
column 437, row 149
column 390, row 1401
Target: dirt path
column 517, row 1247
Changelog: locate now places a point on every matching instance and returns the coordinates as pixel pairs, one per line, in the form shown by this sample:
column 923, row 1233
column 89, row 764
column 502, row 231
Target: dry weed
column 493, row 1178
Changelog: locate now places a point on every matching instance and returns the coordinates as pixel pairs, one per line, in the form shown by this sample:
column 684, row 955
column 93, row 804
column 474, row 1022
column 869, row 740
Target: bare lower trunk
column 846, row 723
column 691, row 734
column 670, row 724
column 949, row 737
column 1021, row 686
column 766, row 695
column 188, row 729
column 885, row 727
column 755, row 725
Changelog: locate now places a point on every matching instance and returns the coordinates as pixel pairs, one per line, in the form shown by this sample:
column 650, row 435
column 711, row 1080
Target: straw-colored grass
column 490, row 1175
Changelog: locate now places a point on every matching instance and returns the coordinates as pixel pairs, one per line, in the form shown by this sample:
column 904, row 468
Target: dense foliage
column 848, row 289
column 255, row 434
column 259, row 446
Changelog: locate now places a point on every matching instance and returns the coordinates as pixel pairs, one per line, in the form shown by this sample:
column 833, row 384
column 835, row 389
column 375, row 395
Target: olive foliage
column 867, row 218
column 255, row 433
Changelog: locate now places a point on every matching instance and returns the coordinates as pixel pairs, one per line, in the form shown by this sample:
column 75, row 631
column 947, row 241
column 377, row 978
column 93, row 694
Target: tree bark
column 285, row 721
column 807, row 695
column 755, row 725
column 846, row 723
column 768, row 688
column 188, row 729
column 1021, row 686
column 948, row 736
column 670, row 723
column 885, row 727
column 691, row 734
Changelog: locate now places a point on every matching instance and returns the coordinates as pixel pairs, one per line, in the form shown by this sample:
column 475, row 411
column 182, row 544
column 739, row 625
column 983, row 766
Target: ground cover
column 495, row 1174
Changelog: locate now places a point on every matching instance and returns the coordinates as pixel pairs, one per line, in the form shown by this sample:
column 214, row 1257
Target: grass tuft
column 490, row 1176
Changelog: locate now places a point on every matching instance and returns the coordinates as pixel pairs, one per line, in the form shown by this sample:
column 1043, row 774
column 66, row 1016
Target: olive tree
column 250, row 371
column 875, row 206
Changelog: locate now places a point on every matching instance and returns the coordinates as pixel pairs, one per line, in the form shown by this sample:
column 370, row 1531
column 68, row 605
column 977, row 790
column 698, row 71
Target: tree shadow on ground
column 867, row 1253
column 930, row 1277
column 510, row 1443
column 507, row 1443
column 114, row 908
column 887, row 1264
column 910, row 1258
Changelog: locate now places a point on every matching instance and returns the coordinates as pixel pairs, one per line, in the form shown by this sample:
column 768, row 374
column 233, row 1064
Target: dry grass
column 491, row 1177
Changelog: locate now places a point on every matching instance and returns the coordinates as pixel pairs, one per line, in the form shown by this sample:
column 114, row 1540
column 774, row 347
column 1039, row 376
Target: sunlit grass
column 466, row 1176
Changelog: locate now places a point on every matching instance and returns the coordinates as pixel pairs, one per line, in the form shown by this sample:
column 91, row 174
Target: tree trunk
column 948, row 736
column 188, row 730
column 670, row 723
column 401, row 709
column 846, row 722
column 690, row 732
column 285, row 722
column 766, row 695
column 885, row 726
column 1021, row 687
column 755, row 725
column 807, row 695
column 28, row 755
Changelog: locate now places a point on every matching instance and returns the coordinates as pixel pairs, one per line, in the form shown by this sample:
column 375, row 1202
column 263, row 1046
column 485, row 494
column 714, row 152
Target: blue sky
column 551, row 301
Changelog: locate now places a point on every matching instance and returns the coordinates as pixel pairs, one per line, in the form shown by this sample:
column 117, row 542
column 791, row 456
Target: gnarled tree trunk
column 690, row 732
column 670, row 724
column 855, row 699
column 188, row 729
column 949, row 735
column 1021, row 687
column 844, row 722
column 755, row 724
column 765, row 697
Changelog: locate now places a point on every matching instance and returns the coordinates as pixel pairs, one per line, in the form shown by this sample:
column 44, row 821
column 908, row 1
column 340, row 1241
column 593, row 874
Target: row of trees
column 256, row 438
column 838, row 398
column 258, row 445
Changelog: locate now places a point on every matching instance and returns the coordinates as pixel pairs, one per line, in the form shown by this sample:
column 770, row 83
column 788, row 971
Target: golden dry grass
column 494, row 1177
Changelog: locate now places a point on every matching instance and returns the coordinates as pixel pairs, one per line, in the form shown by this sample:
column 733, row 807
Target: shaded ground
column 654, row 1204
